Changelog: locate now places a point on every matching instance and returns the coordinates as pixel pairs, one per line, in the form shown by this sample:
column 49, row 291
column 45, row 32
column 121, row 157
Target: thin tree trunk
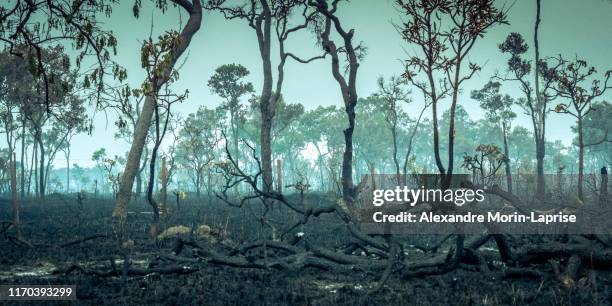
column 266, row 152
column 581, row 147
column 68, row 170
column 197, row 185
column 541, row 182
column 410, row 141
column 35, row 168
column 507, row 161
column 395, row 160
column 41, row 173
column 155, row 222
column 23, row 157
column 451, row 127
column 540, row 145
column 16, row 220
column 603, row 190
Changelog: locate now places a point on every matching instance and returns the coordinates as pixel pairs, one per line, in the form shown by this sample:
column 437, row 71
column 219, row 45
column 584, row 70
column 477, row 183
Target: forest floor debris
column 202, row 272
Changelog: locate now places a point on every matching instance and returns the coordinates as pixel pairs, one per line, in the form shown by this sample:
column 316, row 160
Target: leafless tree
column 352, row 53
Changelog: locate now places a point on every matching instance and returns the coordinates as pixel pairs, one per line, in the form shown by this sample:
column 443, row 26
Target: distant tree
column 56, row 106
column 80, row 176
column 197, row 141
column 576, row 82
column 597, row 126
column 27, row 28
column 485, row 163
column 59, row 136
column 10, row 76
column 99, row 157
column 371, row 141
column 227, row 83
column 499, row 110
column 110, row 168
column 322, row 128
column 534, row 103
column 520, row 141
column 466, row 137
column 393, row 95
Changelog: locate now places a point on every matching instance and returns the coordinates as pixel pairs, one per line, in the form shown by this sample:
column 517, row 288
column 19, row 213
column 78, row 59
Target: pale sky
column 568, row 27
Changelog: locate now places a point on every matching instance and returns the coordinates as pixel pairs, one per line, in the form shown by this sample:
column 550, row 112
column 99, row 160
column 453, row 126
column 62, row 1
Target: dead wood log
column 277, row 245
column 81, row 240
column 366, row 264
column 592, row 256
column 20, row 242
column 133, row 271
column 426, row 271
column 175, row 258
column 391, row 261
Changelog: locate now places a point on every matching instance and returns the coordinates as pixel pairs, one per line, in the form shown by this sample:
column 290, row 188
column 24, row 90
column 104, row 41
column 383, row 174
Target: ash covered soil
column 54, row 230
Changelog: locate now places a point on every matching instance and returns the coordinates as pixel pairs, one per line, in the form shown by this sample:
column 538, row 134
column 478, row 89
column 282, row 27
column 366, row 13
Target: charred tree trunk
column 266, row 149
column 410, row 142
column 16, row 220
column 33, row 169
column 347, row 88
column 372, row 169
column 603, row 190
column 581, row 147
column 68, row 169
column 154, row 205
column 144, row 120
column 41, row 171
column 398, row 174
column 163, row 192
column 23, row 158
column 446, row 177
column 540, row 182
column 541, row 113
column 507, row 161
column 347, row 158
column 267, row 106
